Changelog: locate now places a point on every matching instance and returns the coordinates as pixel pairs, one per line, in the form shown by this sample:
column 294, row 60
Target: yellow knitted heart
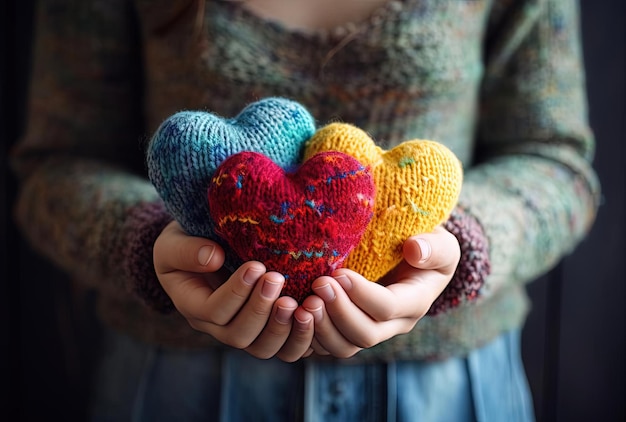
column 417, row 185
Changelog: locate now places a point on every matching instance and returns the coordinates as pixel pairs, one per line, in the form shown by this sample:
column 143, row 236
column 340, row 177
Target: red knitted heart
column 302, row 224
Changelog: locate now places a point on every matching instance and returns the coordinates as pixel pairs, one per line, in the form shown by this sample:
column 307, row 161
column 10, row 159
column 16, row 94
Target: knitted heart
column 188, row 147
column 418, row 184
column 301, row 223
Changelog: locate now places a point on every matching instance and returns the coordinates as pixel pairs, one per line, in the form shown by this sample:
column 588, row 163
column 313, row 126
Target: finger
column 246, row 326
column 317, row 348
column 354, row 323
column 175, row 250
column 187, row 291
column 299, row 342
column 326, row 334
column 377, row 301
column 231, row 296
column 409, row 296
column 276, row 331
column 438, row 250
column 217, row 278
column 417, row 289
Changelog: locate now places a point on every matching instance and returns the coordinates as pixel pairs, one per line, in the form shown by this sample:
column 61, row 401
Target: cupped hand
column 352, row 313
column 243, row 309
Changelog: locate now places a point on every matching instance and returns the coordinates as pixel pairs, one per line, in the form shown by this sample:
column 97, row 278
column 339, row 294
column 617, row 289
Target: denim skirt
column 139, row 382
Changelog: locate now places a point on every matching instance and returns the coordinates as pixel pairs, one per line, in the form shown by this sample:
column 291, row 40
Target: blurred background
column 573, row 342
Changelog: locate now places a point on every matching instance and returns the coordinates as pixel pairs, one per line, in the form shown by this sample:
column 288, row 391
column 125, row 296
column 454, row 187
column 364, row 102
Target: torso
column 406, row 70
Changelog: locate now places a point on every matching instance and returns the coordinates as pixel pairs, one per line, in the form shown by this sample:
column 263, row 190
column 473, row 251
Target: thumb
column 436, row 250
column 175, row 250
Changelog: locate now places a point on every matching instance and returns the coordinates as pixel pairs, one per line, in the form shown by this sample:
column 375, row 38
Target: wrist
column 144, row 224
column 474, row 265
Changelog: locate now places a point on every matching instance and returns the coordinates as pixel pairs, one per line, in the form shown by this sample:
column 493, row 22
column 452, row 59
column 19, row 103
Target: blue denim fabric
column 137, row 382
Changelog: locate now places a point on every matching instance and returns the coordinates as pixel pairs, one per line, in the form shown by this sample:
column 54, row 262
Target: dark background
column 573, row 342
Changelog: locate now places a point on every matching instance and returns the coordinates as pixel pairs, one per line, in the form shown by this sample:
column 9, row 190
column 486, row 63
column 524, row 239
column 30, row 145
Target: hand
column 352, row 313
column 242, row 310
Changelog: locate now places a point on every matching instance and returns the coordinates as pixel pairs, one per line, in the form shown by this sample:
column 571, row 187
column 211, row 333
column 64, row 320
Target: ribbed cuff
column 144, row 224
column 474, row 265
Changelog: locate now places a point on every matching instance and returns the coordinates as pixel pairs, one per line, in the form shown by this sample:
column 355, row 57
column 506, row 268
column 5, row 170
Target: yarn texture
column 428, row 70
column 474, row 266
column 301, row 223
column 418, row 184
column 187, row 148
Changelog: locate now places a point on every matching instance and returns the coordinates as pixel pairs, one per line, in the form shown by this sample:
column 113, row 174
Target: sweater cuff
column 474, row 265
column 144, row 224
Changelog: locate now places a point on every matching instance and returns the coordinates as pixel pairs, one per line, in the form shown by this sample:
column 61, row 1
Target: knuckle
column 287, row 358
column 264, row 354
column 301, row 336
column 367, row 342
column 195, row 325
column 347, row 352
column 276, row 331
column 180, row 256
column 238, row 293
column 385, row 314
column 260, row 309
column 237, row 342
column 408, row 326
column 218, row 319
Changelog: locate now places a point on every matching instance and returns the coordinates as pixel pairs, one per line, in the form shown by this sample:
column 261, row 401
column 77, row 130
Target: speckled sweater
column 498, row 81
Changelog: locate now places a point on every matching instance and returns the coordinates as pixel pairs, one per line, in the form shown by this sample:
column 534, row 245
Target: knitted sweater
column 498, row 81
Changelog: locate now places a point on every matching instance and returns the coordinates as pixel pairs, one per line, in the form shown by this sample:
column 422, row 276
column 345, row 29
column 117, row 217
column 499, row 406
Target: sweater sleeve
column 533, row 196
column 534, row 190
column 82, row 200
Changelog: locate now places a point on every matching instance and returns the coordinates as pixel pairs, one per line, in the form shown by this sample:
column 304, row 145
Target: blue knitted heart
column 188, row 147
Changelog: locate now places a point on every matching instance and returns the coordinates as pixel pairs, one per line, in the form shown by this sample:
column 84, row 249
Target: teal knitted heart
column 188, row 147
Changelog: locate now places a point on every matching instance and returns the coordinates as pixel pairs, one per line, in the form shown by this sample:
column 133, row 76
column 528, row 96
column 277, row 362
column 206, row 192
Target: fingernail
column 205, row 254
column 271, row 289
column 325, row 292
column 344, row 281
column 425, row 250
column 317, row 313
column 303, row 325
column 252, row 275
column 283, row 315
